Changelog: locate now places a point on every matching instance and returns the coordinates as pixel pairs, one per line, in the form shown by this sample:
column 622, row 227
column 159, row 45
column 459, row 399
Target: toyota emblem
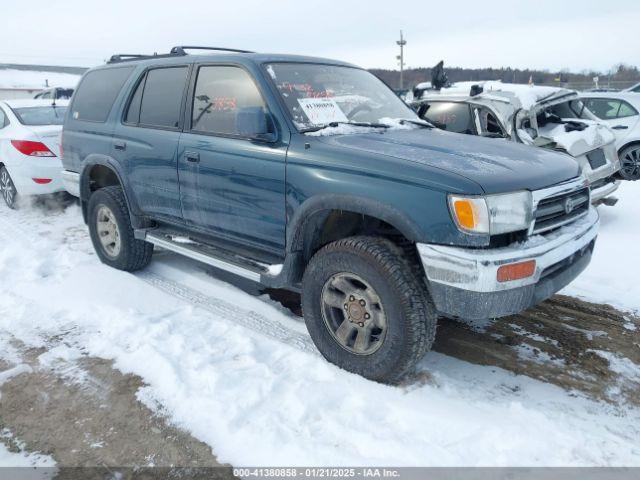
column 568, row 206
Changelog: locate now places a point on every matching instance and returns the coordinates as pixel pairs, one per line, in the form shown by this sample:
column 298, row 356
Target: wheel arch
column 102, row 171
column 630, row 143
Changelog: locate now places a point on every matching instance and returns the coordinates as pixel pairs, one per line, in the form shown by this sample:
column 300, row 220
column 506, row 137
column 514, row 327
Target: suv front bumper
column 463, row 281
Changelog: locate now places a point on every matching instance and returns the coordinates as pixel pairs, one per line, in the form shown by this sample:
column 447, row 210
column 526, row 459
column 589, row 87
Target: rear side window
column 97, row 92
column 162, row 97
column 4, row 121
column 450, row 116
column 221, row 97
column 604, row 108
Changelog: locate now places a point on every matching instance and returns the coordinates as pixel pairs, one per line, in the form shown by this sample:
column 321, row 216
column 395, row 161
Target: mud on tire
column 410, row 317
column 109, row 205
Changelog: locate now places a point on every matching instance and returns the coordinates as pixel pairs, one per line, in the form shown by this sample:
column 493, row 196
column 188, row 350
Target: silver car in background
column 538, row 116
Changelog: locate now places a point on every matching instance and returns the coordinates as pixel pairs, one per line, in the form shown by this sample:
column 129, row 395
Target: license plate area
column 597, row 159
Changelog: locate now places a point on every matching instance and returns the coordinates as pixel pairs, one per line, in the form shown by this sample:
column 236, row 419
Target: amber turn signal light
column 516, row 271
column 465, row 214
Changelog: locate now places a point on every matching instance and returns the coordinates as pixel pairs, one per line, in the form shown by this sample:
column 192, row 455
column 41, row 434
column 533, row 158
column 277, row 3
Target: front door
column 232, row 178
column 147, row 140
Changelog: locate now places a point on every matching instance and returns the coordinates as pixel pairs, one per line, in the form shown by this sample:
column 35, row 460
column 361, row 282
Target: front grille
column 596, row 159
column 553, row 212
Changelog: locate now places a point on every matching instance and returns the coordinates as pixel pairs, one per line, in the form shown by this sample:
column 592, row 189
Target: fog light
column 516, row 271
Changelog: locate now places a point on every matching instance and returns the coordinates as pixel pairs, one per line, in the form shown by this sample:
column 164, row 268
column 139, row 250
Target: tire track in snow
column 230, row 312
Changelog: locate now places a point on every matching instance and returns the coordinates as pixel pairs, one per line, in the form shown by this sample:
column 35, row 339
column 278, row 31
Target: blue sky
column 541, row 34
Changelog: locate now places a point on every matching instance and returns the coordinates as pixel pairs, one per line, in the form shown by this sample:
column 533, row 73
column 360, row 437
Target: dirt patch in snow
column 84, row 413
column 563, row 341
column 576, row 345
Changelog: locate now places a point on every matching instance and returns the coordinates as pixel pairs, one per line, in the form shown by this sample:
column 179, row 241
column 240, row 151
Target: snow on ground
column 612, row 276
column 23, row 459
column 242, row 375
column 11, row 78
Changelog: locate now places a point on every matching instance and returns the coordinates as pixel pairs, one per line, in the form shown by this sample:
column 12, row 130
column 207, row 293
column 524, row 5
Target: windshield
column 317, row 95
column 49, row 115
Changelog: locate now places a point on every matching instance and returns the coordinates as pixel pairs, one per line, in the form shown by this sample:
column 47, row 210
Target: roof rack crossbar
column 127, row 57
column 180, row 50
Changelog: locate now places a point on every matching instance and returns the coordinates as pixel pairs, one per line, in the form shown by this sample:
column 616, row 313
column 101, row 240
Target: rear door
column 618, row 114
column 232, row 183
column 146, row 140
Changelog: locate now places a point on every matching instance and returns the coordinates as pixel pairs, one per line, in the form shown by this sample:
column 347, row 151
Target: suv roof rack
column 181, row 49
column 129, row 57
column 175, row 52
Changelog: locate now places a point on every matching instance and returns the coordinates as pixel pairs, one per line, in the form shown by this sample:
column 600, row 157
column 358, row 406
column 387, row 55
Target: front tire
column 8, row 189
column 366, row 309
column 111, row 232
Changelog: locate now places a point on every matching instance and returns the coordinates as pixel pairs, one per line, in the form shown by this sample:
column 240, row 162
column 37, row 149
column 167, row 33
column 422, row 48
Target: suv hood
column 497, row 166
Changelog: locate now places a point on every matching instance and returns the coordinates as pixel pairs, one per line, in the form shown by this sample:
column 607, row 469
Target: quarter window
column 97, row 92
column 626, row 110
column 162, row 97
column 221, row 94
column 4, row 121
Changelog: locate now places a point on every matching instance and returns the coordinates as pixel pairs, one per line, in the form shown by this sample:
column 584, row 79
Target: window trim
column 74, row 97
column 191, row 98
column 143, row 78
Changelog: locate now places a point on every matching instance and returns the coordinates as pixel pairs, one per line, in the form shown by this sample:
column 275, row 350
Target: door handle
column 120, row 145
column 192, row 157
column 620, row 127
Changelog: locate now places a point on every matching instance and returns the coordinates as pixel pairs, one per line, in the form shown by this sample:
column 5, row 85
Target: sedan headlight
column 492, row 214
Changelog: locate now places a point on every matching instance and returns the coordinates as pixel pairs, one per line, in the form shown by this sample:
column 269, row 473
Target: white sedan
column 621, row 112
column 30, row 148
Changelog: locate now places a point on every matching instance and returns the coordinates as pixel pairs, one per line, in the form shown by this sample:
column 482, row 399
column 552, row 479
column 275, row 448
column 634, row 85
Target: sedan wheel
column 630, row 163
column 7, row 188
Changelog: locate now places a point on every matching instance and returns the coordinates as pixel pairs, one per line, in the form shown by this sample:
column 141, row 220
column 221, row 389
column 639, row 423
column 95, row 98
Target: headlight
column 492, row 214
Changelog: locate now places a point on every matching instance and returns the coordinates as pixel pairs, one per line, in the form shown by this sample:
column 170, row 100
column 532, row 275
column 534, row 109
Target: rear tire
column 366, row 284
column 8, row 189
column 630, row 163
column 111, row 232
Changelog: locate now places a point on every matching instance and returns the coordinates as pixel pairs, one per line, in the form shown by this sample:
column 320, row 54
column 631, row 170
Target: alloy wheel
column 630, row 164
column 108, row 231
column 7, row 188
column 353, row 313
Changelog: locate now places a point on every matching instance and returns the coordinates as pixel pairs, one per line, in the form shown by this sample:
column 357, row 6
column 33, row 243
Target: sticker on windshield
column 321, row 111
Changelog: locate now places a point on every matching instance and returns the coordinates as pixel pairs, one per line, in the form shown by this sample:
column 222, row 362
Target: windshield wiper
column 335, row 124
column 421, row 123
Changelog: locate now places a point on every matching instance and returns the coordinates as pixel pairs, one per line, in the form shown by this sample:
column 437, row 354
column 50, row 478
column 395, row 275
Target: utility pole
column 402, row 42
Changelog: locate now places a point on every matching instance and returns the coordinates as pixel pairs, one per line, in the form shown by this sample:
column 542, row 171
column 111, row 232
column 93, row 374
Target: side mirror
column 255, row 123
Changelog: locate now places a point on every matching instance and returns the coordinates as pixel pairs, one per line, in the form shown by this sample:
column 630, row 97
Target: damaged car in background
column 533, row 115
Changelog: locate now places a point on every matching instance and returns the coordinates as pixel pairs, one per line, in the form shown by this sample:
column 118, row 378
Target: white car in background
column 619, row 110
column 534, row 115
column 30, row 148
